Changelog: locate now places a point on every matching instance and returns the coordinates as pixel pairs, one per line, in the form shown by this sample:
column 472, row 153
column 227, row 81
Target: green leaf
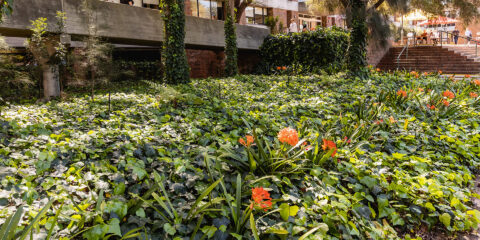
column 369, row 181
column 202, row 196
column 254, row 227
column 169, row 229
column 445, row 219
column 209, row 231
column 322, row 227
column 287, row 211
column 114, row 227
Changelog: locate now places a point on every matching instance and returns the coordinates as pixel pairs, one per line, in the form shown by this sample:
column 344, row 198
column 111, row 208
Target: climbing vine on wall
column 231, row 66
column 175, row 59
column 357, row 52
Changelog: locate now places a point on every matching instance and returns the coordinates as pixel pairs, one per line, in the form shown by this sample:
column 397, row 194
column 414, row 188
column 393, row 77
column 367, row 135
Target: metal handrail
column 465, row 37
column 401, row 53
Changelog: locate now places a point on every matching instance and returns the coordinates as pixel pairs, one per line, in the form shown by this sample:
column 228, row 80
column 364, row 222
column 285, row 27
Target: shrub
column 323, row 49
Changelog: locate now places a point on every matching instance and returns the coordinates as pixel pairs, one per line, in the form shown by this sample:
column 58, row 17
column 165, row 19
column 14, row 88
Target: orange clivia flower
column 431, row 107
column 448, row 94
column 445, row 102
column 473, row 95
column 402, row 93
column 261, row 198
column 440, row 72
column 329, row 145
column 288, row 135
column 284, row 68
column 426, row 74
column 420, row 90
column 378, row 70
column 476, row 82
column 279, row 68
column 249, row 141
column 392, row 119
column 468, row 76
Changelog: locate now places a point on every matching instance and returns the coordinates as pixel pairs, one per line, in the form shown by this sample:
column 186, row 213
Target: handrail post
column 441, row 39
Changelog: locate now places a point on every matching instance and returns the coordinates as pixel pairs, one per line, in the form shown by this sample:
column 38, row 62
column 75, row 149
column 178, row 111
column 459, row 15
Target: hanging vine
column 175, row 58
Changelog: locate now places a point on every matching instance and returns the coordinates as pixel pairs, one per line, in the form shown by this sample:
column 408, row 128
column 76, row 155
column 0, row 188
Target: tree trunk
column 51, row 81
column 357, row 52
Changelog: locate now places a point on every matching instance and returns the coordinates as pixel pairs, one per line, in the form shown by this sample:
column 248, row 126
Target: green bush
column 323, row 49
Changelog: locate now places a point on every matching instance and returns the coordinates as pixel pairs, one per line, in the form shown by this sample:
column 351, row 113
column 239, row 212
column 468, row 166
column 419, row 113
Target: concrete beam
column 123, row 24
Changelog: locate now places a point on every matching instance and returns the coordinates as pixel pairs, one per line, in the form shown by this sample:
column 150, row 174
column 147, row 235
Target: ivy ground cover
column 251, row 157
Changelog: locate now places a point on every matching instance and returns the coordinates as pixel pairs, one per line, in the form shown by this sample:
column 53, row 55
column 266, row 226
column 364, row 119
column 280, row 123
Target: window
column 259, row 15
column 207, row 9
column 255, row 15
column 250, row 15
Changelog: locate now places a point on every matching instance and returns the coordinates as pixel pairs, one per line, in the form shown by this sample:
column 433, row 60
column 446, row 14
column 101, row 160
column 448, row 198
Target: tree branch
column 377, row 4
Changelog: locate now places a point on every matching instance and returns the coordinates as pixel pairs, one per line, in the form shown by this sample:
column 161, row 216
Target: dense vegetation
column 250, row 157
column 322, row 49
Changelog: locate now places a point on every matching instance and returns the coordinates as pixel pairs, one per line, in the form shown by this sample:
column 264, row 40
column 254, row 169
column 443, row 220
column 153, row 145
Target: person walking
column 455, row 33
column 293, row 26
column 468, row 34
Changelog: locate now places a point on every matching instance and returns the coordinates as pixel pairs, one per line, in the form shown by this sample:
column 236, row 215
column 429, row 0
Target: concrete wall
column 375, row 52
column 121, row 23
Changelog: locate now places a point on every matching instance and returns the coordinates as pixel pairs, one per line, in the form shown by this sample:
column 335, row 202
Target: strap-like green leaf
column 204, row 193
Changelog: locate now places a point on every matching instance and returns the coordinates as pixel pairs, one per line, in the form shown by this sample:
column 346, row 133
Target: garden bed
column 250, row 157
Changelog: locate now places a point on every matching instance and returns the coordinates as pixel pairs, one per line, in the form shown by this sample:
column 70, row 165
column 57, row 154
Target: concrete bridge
column 124, row 24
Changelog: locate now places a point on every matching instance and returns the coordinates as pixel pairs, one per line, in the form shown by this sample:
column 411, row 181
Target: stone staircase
column 468, row 51
column 429, row 59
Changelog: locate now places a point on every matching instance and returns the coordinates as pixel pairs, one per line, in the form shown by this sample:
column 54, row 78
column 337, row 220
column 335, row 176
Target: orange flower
column 284, row 68
column 445, row 102
column 413, row 72
column 449, row 94
column 378, row 70
column 392, row 120
column 426, row 74
column 420, row 89
column 261, row 198
column 468, row 76
column 473, row 95
column 249, row 141
column 279, row 68
column 288, row 135
column 329, row 145
column 432, row 107
column 440, row 72
column 476, row 82
column 402, row 93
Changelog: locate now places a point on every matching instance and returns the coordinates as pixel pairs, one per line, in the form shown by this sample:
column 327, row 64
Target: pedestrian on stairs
column 455, row 33
column 468, row 34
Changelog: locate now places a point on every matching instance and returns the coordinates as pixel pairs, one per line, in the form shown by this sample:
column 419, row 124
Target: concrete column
column 51, row 81
column 138, row 3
